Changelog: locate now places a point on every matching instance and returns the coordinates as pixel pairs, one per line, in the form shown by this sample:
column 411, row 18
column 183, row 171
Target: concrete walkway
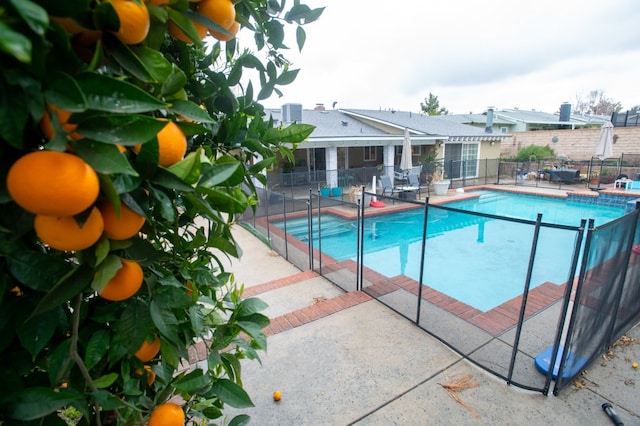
column 343, row 358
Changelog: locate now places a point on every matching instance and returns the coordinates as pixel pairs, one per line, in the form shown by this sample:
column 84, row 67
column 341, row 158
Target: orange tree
column 98, row 81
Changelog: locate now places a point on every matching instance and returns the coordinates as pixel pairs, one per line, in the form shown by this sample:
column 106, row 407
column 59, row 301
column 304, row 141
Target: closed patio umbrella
column 605, row 144
column 406, row 163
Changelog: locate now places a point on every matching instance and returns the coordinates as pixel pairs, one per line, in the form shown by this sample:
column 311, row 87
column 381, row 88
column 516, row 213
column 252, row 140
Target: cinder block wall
column 579, row 144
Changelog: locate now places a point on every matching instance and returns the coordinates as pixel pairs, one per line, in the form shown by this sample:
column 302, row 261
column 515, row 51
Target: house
column 357, row 138
column 516, row 120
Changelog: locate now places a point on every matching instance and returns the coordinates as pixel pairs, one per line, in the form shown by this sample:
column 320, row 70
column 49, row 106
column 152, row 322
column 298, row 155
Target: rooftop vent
column 565, row 111
column 291, row 113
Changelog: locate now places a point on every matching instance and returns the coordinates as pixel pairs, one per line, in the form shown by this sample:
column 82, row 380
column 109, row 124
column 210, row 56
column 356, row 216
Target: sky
column 374, row 54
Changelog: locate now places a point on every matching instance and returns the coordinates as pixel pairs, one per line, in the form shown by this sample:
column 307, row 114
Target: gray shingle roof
column 419, row 123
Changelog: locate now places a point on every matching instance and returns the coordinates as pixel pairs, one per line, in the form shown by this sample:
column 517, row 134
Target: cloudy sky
column 471, row 54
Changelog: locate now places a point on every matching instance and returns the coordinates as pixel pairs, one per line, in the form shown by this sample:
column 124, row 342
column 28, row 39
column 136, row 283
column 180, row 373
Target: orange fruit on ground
column 63, row 117
column 233, row 29
column 168, row 414
column 277, row 395
column 52, row 183
column 180, row 35
column 151, row 376
column 148, row 350
column 134, row 21
column 221, row 12
column 125, row 283
column 172, row 145
column 121, row 227
column 64, row 233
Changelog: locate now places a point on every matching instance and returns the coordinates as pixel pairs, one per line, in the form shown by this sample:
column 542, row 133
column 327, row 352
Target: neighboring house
column 354, row 138
column 516, row 120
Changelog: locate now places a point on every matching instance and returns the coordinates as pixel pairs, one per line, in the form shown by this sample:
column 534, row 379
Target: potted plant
column 440, row 185
column 325, row 190
column 336, row 191
column 606, row 176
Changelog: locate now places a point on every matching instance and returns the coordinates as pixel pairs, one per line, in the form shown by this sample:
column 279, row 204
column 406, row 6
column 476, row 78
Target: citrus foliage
column 86, row 80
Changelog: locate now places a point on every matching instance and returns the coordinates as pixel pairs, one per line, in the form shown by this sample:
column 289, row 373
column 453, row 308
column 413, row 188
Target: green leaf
column 188, row 169
column 35, row 333
column 301, row 37
column 193, row 382
column 169, row 180
column 220, row 174
column 106, row 401
column 255, row 331
column 169, row 354
column 232, row 394
column 165, row 321
column 105, row 381
column 134, row 326
column 63, row 91
column 15, row 44
column 287, row 77
column 103, row 158
column 190, row 110
column 105, row 93
column 27, row 267
column 251, row 306
column 105, row 271
column 34, row 15
column 240, row 420
column 56, row 359
column 34, row 403
column 128, row 59
column 125, row 130
column 97, row 348
column 76, row 281
column 174, row 82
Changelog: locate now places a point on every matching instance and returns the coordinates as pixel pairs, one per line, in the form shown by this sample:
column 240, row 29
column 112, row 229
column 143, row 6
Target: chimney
column 319, row 107
column 489, row 126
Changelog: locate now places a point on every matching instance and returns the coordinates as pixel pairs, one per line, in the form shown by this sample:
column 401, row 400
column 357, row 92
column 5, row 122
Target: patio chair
column 414, row 180
column 387, row 186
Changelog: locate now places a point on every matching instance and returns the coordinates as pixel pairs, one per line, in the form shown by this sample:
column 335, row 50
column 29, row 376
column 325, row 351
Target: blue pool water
column 477, row 260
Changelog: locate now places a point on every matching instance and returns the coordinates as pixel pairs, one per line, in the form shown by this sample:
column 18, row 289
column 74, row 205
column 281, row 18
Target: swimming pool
column 477, row 260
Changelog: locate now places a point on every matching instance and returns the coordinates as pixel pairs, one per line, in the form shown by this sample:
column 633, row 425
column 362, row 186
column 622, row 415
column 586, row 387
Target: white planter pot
column 358, row 197
column 441, row 187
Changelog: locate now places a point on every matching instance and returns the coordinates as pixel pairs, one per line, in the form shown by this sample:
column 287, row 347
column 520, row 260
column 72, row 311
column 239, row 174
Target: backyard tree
column 431, row 106
column 129, row 145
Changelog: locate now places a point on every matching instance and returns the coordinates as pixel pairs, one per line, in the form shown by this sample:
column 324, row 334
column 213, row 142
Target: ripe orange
column 277, row 395
column 120, row 227
column 221, row 12
column 63, row 118
column 64, row 233
column 151, row 376
column 172, row 145
column 180, row 35
column 233, row 29
column 168, row 414
column 147, row 350
column 134, row 21
column 52, row 183
column 125, row 283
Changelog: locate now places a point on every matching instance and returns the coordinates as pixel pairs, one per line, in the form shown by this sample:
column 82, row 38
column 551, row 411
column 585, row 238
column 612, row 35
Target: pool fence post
column 361, row 207
column 574, row 310
column 310, row 231
column 319, row 234
column 422, row 256
column 565, row 304
column 284, row 216
column 525, row 296
column 266, row 211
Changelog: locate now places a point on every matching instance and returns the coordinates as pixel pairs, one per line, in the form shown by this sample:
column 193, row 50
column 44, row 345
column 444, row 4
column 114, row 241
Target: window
column 370, row 153
column 503, row 130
